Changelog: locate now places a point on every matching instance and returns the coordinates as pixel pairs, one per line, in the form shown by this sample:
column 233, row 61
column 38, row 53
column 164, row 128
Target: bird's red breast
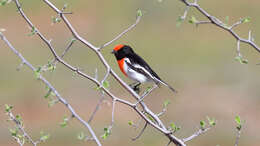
column 121, row 65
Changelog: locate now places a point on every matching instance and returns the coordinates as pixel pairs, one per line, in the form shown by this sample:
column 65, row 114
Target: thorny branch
column 220, row 24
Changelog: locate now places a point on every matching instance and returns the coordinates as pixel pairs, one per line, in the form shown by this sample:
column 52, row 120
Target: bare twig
column 67, row 48
column 162, row 112
column 142, row 131
column 97, row 108
column 238, row 137
column 147, row 92
column 168, row 143
column 236, row 24
column 196, row 134
column 221, row 25
column 113, row 113
column 138, row 18
column 238, row 49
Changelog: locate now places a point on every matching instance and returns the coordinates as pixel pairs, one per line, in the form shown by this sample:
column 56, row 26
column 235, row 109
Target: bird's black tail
column 165, row 84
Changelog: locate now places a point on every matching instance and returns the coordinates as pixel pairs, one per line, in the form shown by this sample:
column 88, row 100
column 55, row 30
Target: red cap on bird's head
column 118, row 47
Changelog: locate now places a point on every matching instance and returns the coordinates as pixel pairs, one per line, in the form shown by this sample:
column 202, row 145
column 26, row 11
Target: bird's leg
column 136, row 86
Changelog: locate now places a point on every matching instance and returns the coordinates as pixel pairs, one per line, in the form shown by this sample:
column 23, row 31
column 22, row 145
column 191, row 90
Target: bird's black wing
column 136, row 59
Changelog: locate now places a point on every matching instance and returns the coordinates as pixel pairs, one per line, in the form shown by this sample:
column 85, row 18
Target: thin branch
column 238, row 135
column 238, row 49
column 147, row 92
column 168, row 143
column 97, row 108
column 183, row 17
column 55, row 61
column 236, row 24
column 113, row 113
column 141, row 133
column 138, row 18
column 221, row 25
column 196, row 134
column 106, row 75
column 202, row 22
column 67, row 48
column 162, row 112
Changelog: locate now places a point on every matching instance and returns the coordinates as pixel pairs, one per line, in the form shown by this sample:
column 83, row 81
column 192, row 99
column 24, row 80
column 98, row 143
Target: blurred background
column 197, row 61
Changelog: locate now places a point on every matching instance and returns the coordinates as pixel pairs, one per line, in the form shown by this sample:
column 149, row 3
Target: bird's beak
column 113, row 52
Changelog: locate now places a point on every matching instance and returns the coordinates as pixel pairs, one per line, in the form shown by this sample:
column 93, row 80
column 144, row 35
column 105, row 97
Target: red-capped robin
column 134, row 67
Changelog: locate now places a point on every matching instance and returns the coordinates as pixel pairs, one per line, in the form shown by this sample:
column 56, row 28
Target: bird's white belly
column 132, row 74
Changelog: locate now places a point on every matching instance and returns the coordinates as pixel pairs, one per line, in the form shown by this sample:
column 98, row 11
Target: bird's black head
column 121, row 51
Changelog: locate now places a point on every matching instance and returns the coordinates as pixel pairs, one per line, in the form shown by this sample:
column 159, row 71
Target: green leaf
column 179, row 21
column 81, row 136
column 202, row 124
column 64, row 123
column 8, row 108
column 174, row 127
column 147, row 89
column 106, row 84
column 3, row 2
column 246, row 20
column 241, row 60
column 37, row 72
column 212, row 121
column 33, row 31
column 14, row 132
column 18, row 118
column 166, row 103
column 50, row 67
column 150, row 117
column 238, row 120
column 20, row 136
column 244, row 61
column 227, row 19
column 44, row 137
column 52, row 102
column 47, row 94
column 56, row 19
column 139, row 13
column 130, row 123
column 106, row 134
column 193, row 20
column 73, row 40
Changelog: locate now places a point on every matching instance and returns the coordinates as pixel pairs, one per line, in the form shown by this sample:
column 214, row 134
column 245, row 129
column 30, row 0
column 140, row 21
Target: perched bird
column 134, row 67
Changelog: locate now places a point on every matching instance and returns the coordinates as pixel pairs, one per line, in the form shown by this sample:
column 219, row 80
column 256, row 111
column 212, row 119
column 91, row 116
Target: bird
column 134, row 67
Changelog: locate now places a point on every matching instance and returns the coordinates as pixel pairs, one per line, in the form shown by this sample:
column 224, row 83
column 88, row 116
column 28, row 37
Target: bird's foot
column 136, row 87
